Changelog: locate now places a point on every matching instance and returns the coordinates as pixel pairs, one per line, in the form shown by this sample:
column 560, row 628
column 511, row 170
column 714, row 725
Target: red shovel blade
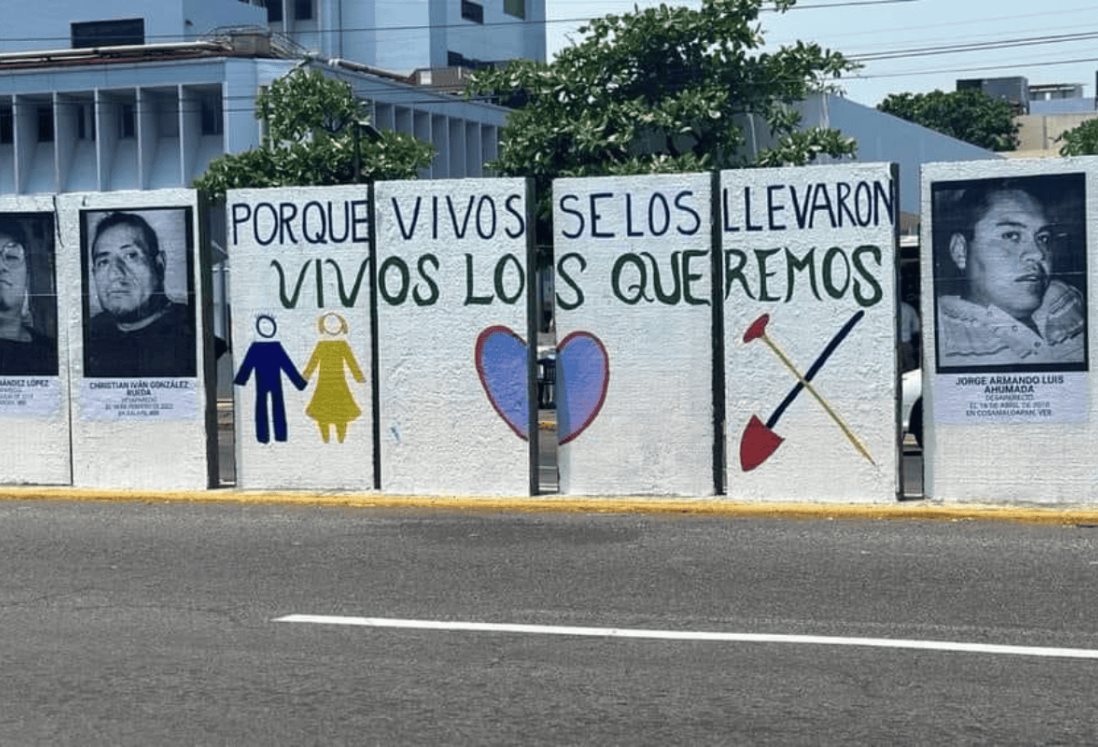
column 757, row 328
column 757, row 444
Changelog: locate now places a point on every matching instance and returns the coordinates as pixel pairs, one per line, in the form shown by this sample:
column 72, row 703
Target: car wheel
column 915, row 422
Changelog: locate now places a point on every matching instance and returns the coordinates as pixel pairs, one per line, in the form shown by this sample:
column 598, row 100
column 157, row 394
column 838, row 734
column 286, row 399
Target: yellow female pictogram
column 332, row 402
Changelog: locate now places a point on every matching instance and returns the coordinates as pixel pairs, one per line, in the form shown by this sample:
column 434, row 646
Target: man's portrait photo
column 28, row 295
column 139, row 315
column 1010, row 274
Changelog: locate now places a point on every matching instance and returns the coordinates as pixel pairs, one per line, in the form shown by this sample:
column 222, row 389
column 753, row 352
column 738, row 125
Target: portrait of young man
column 28, row 295
column 1010, row 274
column 139, row 316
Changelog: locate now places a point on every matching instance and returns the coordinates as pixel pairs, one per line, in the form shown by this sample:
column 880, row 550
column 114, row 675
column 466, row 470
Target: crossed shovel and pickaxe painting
column 759, row 440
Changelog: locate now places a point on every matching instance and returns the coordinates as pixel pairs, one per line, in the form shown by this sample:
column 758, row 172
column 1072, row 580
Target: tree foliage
column 312, row 125
column 968, row 115
column 1081, row 140
column 666, row 89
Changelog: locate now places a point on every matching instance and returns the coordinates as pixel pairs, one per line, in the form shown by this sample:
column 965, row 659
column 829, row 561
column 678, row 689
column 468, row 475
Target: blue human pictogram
column 269, row 360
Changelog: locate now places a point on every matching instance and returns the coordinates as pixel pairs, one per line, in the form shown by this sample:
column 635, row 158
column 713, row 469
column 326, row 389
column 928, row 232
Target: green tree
column 314, row 125
column 968, row 115
column 1080, row 141
column 666, row 89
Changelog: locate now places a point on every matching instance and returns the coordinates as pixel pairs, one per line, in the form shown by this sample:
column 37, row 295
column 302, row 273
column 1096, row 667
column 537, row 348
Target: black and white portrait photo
column 28, row 295
column 1010, row 274
column 139, row 315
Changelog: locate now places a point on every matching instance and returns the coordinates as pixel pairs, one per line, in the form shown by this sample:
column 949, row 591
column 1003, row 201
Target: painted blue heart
column 501, row 365
column 583, row 374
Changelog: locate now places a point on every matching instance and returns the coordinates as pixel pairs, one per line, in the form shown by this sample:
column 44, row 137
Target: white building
column 141, row 94
column 397, row 35
column 412, row 34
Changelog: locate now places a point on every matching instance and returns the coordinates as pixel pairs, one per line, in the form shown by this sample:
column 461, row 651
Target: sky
column 1007, row 30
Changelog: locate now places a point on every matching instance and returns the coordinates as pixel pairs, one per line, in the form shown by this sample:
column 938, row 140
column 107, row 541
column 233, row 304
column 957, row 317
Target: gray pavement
column 136, row 624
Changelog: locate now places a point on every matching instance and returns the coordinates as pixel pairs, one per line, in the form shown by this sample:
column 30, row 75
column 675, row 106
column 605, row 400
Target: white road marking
column 687, row 635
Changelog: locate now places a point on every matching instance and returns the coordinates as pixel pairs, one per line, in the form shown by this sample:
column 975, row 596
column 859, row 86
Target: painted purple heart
column 501, row 365
column 583, row 374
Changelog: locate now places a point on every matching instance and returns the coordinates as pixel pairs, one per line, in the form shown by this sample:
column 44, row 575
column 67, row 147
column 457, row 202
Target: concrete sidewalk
column 922, row 510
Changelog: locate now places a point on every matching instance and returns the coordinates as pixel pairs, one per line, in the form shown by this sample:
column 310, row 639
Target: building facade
column 412, row 34
column 399, row 36
column 143, row 94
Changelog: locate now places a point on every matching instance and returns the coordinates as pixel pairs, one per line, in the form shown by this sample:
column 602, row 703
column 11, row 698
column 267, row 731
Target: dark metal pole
column 358, row 152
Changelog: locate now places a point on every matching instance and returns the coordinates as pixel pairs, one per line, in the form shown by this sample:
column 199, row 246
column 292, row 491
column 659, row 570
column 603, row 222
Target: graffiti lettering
column 565, row 274
column 655, row 215
column 509, row 281
column 782, row 207
column 759, row 274
column 290, row 298
column 638, row 277
column 478, row 217
column 315, row 222
column 424, row 291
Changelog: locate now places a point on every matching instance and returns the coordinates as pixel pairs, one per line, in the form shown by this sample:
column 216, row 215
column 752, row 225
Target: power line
column 942, row 71
column 975, row 46
column 954, row 24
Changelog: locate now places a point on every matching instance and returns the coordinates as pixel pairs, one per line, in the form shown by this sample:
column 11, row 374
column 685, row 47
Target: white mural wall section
column 809, row 258
column 302, row 337
column 453, row 330
column 634, row 319
column 137, row 305
column 1008, row 272
column 34, row 377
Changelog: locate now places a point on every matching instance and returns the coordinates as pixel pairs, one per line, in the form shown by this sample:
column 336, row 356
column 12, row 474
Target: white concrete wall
column 1016, row 432
column 613, row 238
column 812, row 249
column 34, row 409
column 453, row 279
column 137, row 432
column 318, row 237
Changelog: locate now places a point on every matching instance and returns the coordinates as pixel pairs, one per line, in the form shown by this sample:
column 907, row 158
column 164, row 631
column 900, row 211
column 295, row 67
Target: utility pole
column 363, row 126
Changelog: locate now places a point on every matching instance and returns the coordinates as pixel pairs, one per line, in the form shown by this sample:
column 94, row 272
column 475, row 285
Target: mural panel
column 454, row 334
column 810, row 322
column 34, row 401
column 634, row 389
column 144, row 414
column 302, row 337
column 1007, row 259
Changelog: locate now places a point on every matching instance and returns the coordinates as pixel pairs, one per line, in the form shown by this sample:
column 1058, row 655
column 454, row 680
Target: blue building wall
column 49, row 26
column 410, row 34
column 400, row 36
column 883, row 137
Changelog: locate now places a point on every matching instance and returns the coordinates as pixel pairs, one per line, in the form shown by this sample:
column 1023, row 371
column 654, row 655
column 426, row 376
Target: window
column 7, row 127
column 471, row 11
column 45, row 124
column 212, row 121
column 516, row 8
column 274, row 11
column 457, row 59
column 303, row 10
column 85, row 122
column 127, row 121
column 108, row 33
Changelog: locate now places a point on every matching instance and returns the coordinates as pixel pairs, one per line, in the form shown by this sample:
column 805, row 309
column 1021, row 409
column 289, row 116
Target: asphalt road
column 155, row 624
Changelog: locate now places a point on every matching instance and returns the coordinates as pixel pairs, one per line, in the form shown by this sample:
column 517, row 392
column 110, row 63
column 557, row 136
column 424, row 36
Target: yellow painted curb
column 918, row 510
